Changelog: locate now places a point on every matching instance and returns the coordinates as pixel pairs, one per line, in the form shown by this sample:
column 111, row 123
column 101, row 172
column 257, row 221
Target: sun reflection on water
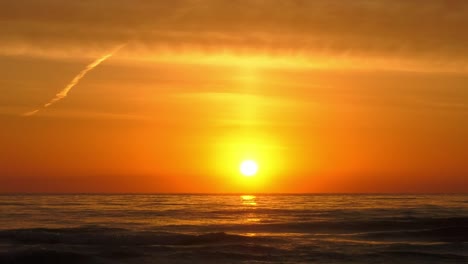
column 250, row 216
column 249, row 200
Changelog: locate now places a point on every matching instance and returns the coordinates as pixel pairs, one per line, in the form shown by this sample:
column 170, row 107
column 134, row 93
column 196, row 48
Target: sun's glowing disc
column 248, row 168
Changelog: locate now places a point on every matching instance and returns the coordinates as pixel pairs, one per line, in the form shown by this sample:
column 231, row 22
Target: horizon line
column 234, row 193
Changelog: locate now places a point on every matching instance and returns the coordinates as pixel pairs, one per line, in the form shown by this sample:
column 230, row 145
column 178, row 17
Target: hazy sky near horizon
column 327, row 96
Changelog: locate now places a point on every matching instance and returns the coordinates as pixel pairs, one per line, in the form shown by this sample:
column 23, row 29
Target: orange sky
column 358, row 96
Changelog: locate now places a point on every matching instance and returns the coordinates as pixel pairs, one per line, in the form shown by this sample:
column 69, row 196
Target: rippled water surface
column 234, row 229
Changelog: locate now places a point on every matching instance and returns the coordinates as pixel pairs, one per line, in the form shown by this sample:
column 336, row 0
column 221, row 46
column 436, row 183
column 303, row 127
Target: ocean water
column 233, row 229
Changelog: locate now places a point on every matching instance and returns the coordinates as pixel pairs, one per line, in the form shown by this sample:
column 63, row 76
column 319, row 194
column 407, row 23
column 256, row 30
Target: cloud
column 64, row 92
column 415, row 32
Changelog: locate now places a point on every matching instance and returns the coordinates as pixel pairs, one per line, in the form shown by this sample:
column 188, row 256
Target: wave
column 100, row 245
column 95, row 244
column 444, row 234
column 405, row 198
column 141, row 255
column 430, row 229
column 440, row 228
column 114, row 236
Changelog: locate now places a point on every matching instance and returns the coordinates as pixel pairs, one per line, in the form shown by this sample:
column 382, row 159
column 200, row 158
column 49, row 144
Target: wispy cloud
column 63, row 93
column 430, row 32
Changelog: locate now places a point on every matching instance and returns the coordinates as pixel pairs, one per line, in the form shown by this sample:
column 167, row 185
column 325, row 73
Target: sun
column 248, row 168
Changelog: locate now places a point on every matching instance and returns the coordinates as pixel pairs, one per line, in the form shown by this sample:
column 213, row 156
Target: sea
column 206, row 228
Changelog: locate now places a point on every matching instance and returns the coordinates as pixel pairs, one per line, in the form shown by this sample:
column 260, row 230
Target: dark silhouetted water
column 233, row 229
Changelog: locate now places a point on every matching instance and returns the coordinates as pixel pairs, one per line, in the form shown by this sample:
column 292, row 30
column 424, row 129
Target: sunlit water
column 234, row 229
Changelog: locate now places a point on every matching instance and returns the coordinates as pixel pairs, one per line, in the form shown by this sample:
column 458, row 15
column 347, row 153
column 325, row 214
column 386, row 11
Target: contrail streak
column 62, row 94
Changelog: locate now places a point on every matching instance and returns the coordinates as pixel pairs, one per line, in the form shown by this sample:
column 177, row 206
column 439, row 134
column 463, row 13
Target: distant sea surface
column 233, row 229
